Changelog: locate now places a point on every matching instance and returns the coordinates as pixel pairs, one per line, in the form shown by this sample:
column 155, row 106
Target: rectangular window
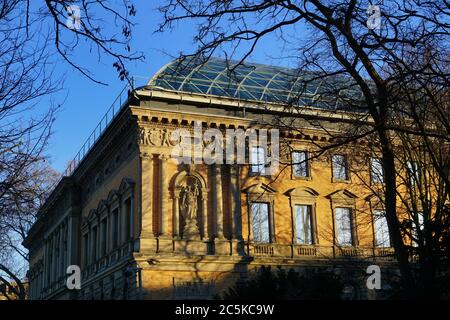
column 413, row 172
column 344, row 227
column 340, row 171
column 57, row 253
column 381, row 230
column 103, row 235
column 94, row 244
column 115, row 229
column 86, row 249
column 416, row 229
column 64, row 250
column 50, row 260
column 127, row 217
column 257, row 160
column 300, row 164
column 303, row 224
column 376, row 170
column 260, row 222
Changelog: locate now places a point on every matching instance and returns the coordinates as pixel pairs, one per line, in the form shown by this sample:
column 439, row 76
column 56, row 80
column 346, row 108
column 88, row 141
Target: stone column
column 46, row 255
column 61, row 250
column 272, row 233
column 88, row 255
column 108, row 232
column 131, row 218
column 236, row 219
column 164, row 215
column 73, row 235
column 66, row 252
column 146, row 188
column 176, row 215
column 205, row 215
column 217, row 174
column 52, row 249
column 109, row 236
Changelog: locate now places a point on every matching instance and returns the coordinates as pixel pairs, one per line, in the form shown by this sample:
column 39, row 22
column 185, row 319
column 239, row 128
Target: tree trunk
column 391, row 215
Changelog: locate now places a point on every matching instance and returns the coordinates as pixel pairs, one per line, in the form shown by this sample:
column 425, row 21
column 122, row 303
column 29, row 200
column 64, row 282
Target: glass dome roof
column 254, row 82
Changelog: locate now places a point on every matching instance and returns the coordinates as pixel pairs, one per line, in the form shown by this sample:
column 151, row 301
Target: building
column 11, row 290
column 141, row 225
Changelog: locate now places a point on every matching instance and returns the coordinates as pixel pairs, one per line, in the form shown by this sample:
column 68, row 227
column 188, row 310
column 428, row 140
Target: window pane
column 376, row 170
column 343, row 227
column 303, row 224
column 257, row 160
column 339, row 167
column 127, row 221
column 300, row 163
column 413, row 172
column 86, row 250
column 103, row 235
column 115, row 228
column 415, row 231
column 381, row 230
column 94, row 244
column 260, row 222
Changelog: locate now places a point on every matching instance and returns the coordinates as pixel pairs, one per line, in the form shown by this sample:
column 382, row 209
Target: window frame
column 312, row 232
column 414, row 233
column 127, row 216
column 86, row 249
column 346, row 168
column 413, row 172
column 351, row 226
column 103, row 237
column 115, row 228
column 378, row 213
column 372, row 175
column 304, row 196
column 307, row 163
column 264, row 165
column 269, row 227
column 261, row 193
column 94, row 243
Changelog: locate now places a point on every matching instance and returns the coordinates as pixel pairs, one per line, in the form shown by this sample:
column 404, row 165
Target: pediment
column 126, row 184
column 375, row 200
column 92, row 214
column 302, row 192
column 113, row 196
column 260, row 188
column 371, row 197
column 342, row 194
column 102, row 206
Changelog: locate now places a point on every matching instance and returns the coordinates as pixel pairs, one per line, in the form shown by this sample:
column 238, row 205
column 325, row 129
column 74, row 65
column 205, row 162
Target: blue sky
column 85, row 102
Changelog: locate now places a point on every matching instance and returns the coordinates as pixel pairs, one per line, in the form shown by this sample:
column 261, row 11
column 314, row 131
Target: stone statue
column 144, row 136
column 189, row 201
column 189, row 204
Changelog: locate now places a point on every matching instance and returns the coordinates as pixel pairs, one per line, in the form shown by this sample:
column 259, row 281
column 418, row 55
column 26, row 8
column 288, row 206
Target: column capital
column 146, row 155
column 204, row 194
column 217, row 168
column 163, row 156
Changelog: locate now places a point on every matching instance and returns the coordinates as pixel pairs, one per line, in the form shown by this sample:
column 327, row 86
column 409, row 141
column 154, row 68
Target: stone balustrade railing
column 316, row 252
column 107, row 260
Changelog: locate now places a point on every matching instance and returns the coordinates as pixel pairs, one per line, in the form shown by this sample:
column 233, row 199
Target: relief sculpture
column 156, row 137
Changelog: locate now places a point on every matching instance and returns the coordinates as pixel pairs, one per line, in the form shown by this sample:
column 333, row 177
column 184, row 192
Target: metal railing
column 118, row 104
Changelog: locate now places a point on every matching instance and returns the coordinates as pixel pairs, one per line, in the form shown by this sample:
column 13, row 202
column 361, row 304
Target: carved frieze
column 159, row 137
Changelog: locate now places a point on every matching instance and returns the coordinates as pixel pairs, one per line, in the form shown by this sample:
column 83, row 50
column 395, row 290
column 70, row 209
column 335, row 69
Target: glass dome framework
column 255, row 82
